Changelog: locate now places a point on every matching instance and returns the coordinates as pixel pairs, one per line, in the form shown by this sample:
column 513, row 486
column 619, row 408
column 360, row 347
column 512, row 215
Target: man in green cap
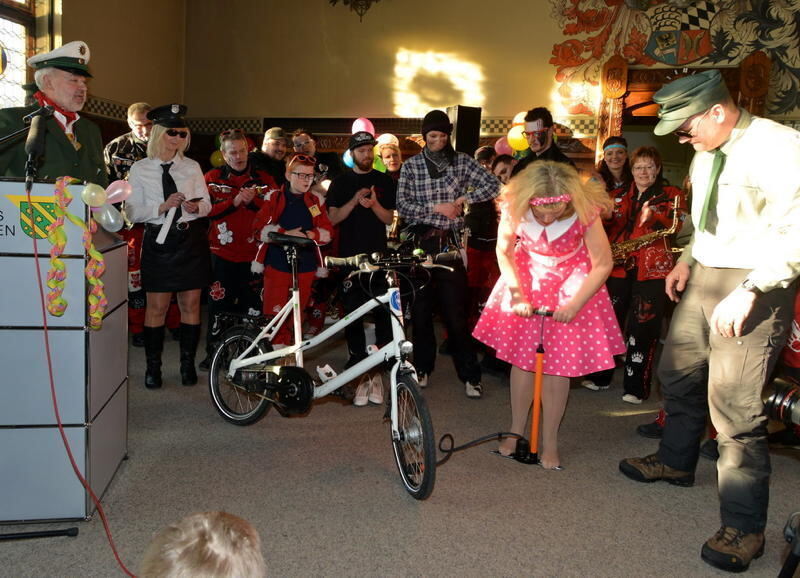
column 73, row 145
column 736, row 284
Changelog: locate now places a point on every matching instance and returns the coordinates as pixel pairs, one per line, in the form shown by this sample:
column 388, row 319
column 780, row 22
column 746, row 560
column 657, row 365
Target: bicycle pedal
column 326, row 372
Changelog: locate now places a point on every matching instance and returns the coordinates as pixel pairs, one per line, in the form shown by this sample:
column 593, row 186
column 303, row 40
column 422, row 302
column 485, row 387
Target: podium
column 89, row 367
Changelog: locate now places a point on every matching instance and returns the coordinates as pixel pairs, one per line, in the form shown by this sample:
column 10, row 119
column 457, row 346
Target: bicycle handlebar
column 378, row 260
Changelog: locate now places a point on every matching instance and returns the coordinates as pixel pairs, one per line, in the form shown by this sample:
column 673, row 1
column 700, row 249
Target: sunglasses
column 688, row 133
column 180, row 133
column 303, row 159
column 231, row 131
column 527, row 134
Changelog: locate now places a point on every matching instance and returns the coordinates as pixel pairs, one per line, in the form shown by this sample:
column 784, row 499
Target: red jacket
column 266, row 221
column 655, row 260
column 231, row 233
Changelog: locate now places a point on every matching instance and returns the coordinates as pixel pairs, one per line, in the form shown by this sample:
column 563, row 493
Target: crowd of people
column 608, row 256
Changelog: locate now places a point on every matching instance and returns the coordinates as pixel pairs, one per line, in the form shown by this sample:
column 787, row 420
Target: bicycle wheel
column 237, row 402
column 415, row 450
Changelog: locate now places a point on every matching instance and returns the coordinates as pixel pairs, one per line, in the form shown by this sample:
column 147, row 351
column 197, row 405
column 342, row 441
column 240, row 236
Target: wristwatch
column 748, row 285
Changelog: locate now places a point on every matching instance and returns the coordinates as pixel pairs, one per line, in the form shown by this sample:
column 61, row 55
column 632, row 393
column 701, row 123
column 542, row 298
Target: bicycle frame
column 391, row 350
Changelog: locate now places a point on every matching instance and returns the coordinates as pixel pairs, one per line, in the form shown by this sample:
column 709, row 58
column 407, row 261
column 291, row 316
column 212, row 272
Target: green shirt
column 60, row 157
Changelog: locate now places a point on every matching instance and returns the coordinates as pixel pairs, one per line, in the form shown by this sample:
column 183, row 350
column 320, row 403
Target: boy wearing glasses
column 539, row 133
column 291, row 210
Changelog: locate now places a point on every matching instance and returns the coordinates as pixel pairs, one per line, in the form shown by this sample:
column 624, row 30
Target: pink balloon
column 502, row 147
column 363, row 124
column 118, row 191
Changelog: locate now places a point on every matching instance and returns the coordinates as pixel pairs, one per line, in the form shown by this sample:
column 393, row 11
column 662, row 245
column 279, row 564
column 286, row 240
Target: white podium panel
column 89, row 367
column 25, row 398
column 108, row 362
column 20, row 306
column 36, row 477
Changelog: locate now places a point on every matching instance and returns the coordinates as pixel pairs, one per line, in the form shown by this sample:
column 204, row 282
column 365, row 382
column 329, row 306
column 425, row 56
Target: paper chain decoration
column 57, row 275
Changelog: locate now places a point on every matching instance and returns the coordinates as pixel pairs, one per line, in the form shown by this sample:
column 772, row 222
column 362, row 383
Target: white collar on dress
column 554, row 230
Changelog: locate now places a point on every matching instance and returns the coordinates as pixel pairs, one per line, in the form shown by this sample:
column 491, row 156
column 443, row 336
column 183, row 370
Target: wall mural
column 675, row 33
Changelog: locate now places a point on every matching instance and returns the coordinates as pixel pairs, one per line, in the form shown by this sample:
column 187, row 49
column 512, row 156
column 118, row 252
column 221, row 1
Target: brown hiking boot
column 650, row 469
column 732, row 550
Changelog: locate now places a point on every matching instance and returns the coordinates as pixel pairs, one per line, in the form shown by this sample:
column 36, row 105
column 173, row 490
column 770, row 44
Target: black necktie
column 169, row 186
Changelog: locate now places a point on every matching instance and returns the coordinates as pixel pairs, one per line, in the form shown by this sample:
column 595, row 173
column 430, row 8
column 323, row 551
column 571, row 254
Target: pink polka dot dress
column 552, row 263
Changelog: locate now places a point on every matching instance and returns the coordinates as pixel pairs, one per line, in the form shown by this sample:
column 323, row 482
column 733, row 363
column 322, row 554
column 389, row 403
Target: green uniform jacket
column 60, row 157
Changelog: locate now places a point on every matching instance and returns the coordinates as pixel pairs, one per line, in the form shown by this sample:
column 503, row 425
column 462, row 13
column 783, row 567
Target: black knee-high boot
column 190, row 337
column 153, row 346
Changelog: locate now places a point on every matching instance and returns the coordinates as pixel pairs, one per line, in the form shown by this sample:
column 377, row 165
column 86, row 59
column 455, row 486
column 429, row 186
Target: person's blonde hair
column 553, row 179
column 154, row 144
column 205, row 545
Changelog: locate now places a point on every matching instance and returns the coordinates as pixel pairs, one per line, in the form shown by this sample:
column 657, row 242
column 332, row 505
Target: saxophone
column 621, row 251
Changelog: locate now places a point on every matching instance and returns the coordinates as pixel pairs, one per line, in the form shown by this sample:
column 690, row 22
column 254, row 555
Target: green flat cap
column 72, row 57
column 687, row 96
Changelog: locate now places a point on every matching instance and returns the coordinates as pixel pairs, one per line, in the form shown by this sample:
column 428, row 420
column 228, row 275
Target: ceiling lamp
column 360, row 7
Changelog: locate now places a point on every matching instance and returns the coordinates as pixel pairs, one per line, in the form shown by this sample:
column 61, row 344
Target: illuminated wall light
column 465, row 77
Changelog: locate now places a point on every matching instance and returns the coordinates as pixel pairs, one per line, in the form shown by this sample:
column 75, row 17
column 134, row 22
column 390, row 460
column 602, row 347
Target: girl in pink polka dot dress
column 553, row 254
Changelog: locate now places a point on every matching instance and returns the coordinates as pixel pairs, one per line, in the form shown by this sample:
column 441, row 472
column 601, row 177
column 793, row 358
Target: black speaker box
column 466, row 127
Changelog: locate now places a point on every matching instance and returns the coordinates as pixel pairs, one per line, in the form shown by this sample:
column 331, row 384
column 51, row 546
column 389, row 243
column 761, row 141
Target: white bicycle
column 247, row 376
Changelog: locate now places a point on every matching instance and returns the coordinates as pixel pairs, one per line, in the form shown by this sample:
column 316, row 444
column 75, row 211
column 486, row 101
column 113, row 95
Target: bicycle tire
column 415, row 451
column 233, row 402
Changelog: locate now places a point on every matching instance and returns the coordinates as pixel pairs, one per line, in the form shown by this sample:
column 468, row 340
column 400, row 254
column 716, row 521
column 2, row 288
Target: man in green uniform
column 73, row 146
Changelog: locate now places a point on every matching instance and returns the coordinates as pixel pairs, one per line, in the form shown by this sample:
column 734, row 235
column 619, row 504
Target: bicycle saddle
column 282, row 239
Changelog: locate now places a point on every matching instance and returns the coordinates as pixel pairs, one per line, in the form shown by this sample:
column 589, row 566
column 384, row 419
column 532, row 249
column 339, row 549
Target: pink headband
column 536, row 201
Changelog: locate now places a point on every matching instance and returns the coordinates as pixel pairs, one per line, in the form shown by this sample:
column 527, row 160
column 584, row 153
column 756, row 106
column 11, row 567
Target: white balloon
column 108, row 217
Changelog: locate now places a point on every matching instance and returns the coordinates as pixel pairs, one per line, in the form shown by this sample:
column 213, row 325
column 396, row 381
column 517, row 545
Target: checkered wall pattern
column 217, row 125
column 567, row 126
column 106, row 108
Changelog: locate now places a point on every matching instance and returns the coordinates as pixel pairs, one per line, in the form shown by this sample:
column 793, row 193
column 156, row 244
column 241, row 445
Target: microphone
column 45, row 111
column 34, row 145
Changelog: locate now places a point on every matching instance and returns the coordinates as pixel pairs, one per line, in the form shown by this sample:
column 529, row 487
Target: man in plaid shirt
column 431, row 193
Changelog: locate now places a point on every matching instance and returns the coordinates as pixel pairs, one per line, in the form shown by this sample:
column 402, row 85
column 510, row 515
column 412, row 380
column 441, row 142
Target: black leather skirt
column 181, row 263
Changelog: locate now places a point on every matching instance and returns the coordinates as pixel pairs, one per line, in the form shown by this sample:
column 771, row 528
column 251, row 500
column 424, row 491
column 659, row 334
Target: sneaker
column 422, row 379
column 589, row 384
column 650, row 469
column 732, row 550
column 362, row 391
column 137, row 340
column 376, row 389
column 652, row 430
column 630, row 398
column 786, row 438
column 709, row 450
column 474, row 391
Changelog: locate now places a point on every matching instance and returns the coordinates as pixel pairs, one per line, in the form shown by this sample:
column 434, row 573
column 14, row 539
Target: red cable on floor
column 75, row 468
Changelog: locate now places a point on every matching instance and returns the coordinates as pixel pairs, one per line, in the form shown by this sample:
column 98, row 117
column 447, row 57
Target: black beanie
column 436, row 120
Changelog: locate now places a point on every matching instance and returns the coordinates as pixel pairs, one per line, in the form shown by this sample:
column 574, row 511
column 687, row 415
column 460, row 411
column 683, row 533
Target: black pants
column 639, row 307
column 448, row 290
column 355, row 291
column 702, row 373
column 234, row 289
